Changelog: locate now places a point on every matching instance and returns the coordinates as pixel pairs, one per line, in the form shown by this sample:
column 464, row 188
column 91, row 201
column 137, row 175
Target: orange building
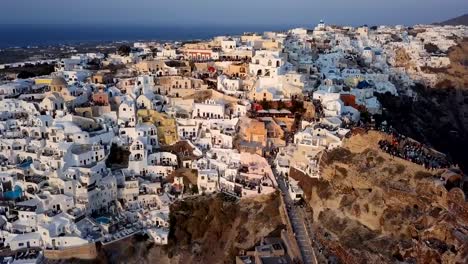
column 252, row 130
column 101, row 98
column 349, row 100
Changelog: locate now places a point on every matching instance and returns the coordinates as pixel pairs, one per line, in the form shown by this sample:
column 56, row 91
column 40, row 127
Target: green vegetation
column 431, row 48
column 118, row 156
column 29, row 70
column 124, row 50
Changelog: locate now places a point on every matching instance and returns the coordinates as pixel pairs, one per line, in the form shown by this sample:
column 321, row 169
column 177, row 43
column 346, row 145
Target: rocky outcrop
column 369, row 207
column 456, row 74
column 461, row 20
column 204, row 229
column 402, row 59
column 212, row 230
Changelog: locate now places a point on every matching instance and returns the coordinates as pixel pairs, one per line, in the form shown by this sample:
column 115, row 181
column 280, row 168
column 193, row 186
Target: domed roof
column 363, row 84
column 58, row 81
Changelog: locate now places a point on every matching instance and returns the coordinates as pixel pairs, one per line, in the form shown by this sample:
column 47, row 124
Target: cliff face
column 372, row 208
column 204, row 229
column 439, row 116
column 211, row 230
column 456, row 74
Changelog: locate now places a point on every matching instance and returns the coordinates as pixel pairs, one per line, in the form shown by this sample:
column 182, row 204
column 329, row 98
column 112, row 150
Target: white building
column 208, row 109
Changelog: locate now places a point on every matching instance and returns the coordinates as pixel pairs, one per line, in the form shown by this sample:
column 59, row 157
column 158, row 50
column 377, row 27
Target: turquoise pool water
column 103, row 220
column 12, row 195
column 25, row 164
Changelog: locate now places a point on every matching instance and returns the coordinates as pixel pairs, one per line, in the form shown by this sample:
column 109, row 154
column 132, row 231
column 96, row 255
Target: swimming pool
column 15, row 194
column 25, row 164
column 103, row 220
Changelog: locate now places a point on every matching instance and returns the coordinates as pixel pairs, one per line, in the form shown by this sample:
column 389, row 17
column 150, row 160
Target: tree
column 396, row 38
column 431, row 48
column 25, row 75
column 94, row 64
column 281, row 105
column 265, row 104
column 194, row 189
column 365, row 117
column 124, row 50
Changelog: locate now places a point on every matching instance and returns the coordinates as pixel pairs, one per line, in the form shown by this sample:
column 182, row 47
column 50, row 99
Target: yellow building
column 353, row 81
column 40, row 81
column 167, row 128
column 271, row 45
column 101, row 77
column 237, row 70
column 179, row 86
column 262, row 94
column 251, row 38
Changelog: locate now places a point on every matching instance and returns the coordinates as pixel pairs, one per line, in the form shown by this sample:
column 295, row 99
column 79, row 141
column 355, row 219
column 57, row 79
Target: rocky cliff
column 371, row 208
column 439, row 115
column 456, row 74
column 204, row 229
column 212, row 230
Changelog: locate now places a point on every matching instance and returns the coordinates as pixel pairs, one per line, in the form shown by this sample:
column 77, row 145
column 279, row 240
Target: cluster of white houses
column 96, row 156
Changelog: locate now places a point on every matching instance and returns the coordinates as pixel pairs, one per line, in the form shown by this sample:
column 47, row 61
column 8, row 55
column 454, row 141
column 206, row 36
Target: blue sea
column 40, row 35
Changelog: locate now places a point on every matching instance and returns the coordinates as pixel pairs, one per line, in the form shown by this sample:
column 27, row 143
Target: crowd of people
column 413, row 151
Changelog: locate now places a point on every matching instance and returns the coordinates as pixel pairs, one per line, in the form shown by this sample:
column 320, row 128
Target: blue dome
column 362, row 85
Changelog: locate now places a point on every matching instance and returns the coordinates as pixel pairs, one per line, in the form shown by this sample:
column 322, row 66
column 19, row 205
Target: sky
column 229, row 13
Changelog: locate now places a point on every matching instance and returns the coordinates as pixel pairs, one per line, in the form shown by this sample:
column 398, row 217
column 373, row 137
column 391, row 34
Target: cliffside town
column 320, row 145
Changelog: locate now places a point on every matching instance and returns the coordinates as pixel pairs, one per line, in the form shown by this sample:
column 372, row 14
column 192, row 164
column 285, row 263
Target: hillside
column 372, row 208
column 461, row 20
column 204, row 229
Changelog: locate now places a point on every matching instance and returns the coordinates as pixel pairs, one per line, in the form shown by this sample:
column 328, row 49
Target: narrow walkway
column 302, row 237
column 298, row 223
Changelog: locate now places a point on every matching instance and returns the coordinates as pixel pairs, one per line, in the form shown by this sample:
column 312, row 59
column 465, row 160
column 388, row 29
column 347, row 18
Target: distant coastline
column 44, row 35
